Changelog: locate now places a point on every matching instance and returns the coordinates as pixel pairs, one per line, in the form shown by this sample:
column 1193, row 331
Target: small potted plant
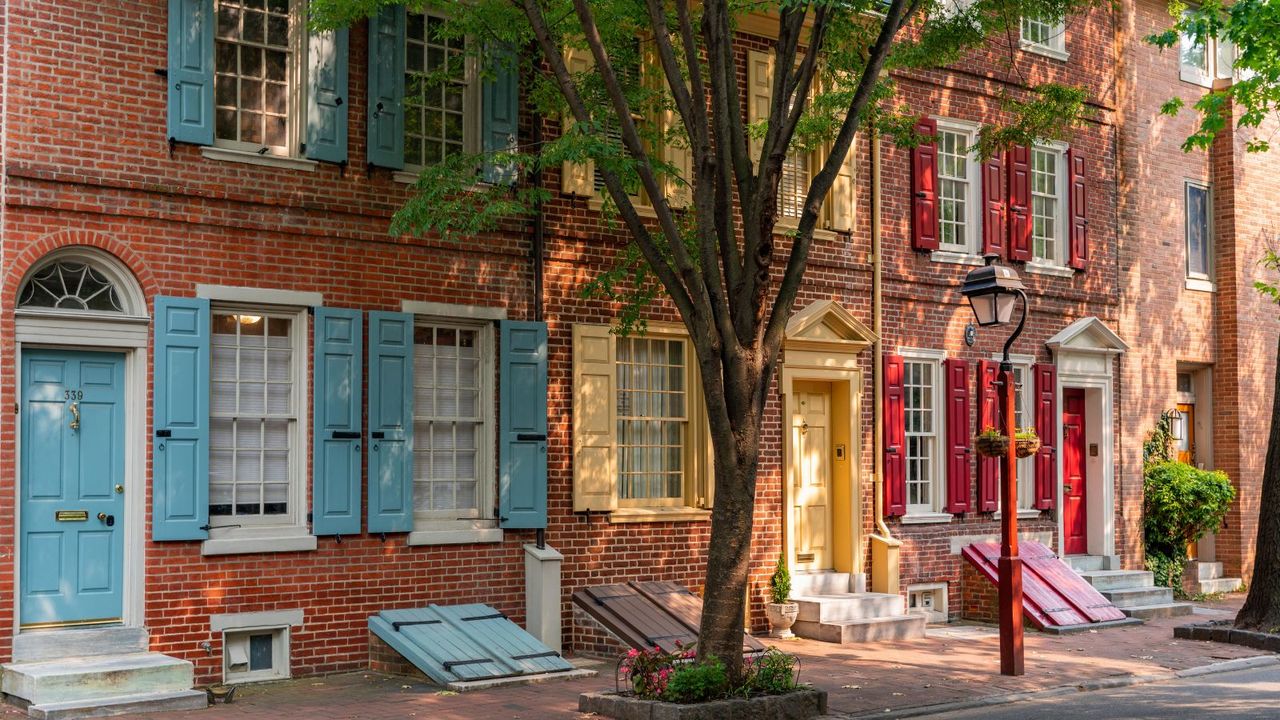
column 1027, row 442
column 782, row 613
column 991, row 443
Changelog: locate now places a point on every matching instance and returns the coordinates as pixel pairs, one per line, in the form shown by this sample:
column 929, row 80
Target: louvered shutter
column 841, row 199
column 895, row 438
column 924, row 189
column 190, row 74
column 500, row 120
column 994, row 208
column 677, row 153
column 327, row 96
column 1079, row 204
column 180, row 413
column 522, row 454
column 336, row 385
column 759, row 96
column 577, row 178
column 595, row 419
column 385, row 112
column 988, row 417
column 959, row 469
column 390, row 441
column 1046, row 419
column 1018, row 160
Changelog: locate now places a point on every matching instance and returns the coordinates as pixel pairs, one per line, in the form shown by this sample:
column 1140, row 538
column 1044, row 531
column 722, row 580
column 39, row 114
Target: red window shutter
column 1046, row 416
column 895, row 438
column 959, row 469
column 988, row 416
column 924, row 189
column 1079, row 203
column 993, row 207
column 1018, row 160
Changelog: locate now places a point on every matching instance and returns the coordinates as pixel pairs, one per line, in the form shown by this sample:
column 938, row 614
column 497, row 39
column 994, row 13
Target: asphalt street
column 1252, row 694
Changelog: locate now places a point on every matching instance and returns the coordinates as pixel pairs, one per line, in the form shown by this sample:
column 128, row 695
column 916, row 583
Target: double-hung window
column 923, row 425
column 441, row 98
column 959, row 187
column 258, row 59
column 1042, row 35
column 1048, row 204
column 1023, row 416
column 1204, row 60
column 258, row 382
column 1199, row 231
column 653, row 421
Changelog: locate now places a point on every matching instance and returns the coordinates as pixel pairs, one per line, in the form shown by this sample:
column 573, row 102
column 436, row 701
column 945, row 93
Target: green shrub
column 772, row 673
column 1181, row 505
column 697, row 682
column 1167, row 569
column 780, row 583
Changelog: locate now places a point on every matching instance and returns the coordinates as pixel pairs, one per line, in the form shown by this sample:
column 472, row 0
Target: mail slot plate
column 71, row 515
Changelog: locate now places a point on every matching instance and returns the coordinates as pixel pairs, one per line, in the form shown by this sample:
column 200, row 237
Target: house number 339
column 73, row 395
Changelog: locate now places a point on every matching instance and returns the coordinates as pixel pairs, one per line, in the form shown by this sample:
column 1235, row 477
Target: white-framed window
column 453, row 423
column 959, row 188
column 1048, row 204
column 1203, row 61
column 1044, row 36
column 1024, row 416
column 922, row 409
column 441, row 92
column 255, row 655
column 653, row 421
column 1199, row 230
column 256, row 462
column 259, row 64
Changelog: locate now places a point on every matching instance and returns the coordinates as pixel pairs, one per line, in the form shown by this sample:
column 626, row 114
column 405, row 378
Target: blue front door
column 72, row 539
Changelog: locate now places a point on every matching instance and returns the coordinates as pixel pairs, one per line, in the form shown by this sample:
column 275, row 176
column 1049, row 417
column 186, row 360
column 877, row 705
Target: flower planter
column 1028, row 447
column 781, row 617
column 992, row 447
column 797, row 705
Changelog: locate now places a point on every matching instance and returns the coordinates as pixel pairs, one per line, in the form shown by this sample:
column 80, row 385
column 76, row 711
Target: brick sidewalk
column 955, row 662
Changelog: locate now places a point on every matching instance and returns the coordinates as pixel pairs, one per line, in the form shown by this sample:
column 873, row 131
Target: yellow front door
column 1186, row 449
column 811, row 433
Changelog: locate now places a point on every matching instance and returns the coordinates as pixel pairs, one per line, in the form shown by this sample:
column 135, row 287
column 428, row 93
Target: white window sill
column 925, row 518
column 1201, row 285
column 1023, row 514
column 1045, row 51
column 1043, row 268
column 285, row 540
column 455, row 537
column 956, row 258
column 250, row 158
column 652, row 515
column 1194, row 77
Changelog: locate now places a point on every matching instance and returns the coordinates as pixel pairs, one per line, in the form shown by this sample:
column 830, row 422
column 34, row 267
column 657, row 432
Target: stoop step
column 1135, row 596
column 121, row 705
column 821, row 583
column 899, row 627
column 1217, row 585
column 847, row 606
column 95, row 680
column 31, row 645
column 1163, row 610
column 1104, row 580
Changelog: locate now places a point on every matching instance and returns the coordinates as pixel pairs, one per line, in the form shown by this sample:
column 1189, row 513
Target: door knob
column 110, row 520
column 119, row 489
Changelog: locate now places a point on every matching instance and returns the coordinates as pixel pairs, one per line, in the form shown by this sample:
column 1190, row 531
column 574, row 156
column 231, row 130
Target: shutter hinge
column 16, row 409
column 173, row 144
column 302, row 147
column 162, row 72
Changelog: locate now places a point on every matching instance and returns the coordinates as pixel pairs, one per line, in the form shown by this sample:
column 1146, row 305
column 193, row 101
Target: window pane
column 435, row 90
column 651, row 420
column 794, row 184
column 953, row 200
column 1198, row 239
column 448, row 420
column 1045, row 204
column 252, row 45
column 921, row 432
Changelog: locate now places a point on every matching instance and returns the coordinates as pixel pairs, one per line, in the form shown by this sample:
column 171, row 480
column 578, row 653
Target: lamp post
column 992, row 292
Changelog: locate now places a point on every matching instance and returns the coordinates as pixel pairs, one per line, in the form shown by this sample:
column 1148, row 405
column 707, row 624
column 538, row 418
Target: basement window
column 928, row 600
column 255, row 655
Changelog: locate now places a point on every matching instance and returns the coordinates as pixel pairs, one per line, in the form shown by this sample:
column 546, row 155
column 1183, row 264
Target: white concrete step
column 820, row 583
column 1088, row 563
column 1216, row 585
column 31, row 645
column 1117, row 579
column 840, row 607
column 900, row 627
column 1164, row 610
column 121, row 705
column 96, row 678
column 1137, row 596
column 1204, row 570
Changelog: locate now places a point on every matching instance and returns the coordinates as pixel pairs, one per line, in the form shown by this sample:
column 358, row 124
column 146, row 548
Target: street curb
column 1100, row 684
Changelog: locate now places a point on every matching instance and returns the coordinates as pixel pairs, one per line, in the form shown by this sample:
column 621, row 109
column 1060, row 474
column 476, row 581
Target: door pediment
column 1087, row 335
column 826, row 325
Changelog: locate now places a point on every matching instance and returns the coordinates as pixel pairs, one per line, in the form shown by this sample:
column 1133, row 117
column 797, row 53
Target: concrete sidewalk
column 955, row 663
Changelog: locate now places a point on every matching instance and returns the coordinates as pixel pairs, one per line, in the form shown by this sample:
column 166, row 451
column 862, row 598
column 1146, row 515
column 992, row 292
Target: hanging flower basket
column 992, row 445
column 1028, row 446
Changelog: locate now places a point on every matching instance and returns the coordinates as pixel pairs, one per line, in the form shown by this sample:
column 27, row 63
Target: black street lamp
column 992, row 292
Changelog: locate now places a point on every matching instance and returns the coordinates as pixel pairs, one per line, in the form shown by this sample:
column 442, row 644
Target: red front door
column 1073, row 474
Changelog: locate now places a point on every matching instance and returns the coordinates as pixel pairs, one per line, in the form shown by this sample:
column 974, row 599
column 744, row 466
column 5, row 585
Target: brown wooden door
column 1074, row 508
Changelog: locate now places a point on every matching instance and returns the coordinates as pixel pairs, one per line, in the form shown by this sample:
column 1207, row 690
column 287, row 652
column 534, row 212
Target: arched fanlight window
column 70, row 285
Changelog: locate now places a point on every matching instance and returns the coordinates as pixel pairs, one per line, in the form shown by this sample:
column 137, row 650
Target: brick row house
column 267, row 419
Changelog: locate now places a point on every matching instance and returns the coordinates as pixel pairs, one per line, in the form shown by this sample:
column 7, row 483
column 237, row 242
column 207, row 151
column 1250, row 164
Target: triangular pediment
column 826, row 321
column 1088, row 335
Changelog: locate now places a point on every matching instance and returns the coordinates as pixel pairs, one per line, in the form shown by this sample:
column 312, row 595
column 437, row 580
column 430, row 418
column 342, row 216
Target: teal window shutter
column 191, row 71
column 390, row 441
column 522, row 452
column 335, row 508
column 386, row 88
column 180, row 448
column 327, row 96
column 500, row 98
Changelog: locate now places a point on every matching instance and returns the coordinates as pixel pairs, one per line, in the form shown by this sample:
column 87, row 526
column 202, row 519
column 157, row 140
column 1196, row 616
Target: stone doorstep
column 1137, row 596
column 897, row 627
column 799, row 705
column 1164, row 610
column 35, row 645
column 96, row 678
column 1118, row 579
column 836, row 607
column 121, row 705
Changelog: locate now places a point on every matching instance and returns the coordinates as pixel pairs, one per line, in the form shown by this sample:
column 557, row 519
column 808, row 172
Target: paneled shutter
column 895, row 438
column 390, row 441
column 577, row 178
column 191, row 71
column 1079, row 203
column 385, row 115
column 336, row 384
column 522, row 433
column 180, row 448
column 841, row 198
column 500, row 97
column 994, row 208
column 679, row 156
column 924, row 189
column 1046, row 417
column 959, row 469
column 1018, row 160
column 988, row 417
column 327, row 96
column 595, row 419
column 759, row 95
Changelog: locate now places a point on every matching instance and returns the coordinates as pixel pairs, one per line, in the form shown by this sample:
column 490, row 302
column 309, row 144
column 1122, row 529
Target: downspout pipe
column 536, row 254
column 877, row 311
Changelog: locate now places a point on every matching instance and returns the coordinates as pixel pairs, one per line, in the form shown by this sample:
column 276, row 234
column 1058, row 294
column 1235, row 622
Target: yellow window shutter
column 841, row 198
column 679, row 156
column 759, row 93
column 595, row 419
column 577, row 178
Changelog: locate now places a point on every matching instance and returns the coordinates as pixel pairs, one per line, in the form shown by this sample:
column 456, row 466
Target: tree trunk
column 1261, row 609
